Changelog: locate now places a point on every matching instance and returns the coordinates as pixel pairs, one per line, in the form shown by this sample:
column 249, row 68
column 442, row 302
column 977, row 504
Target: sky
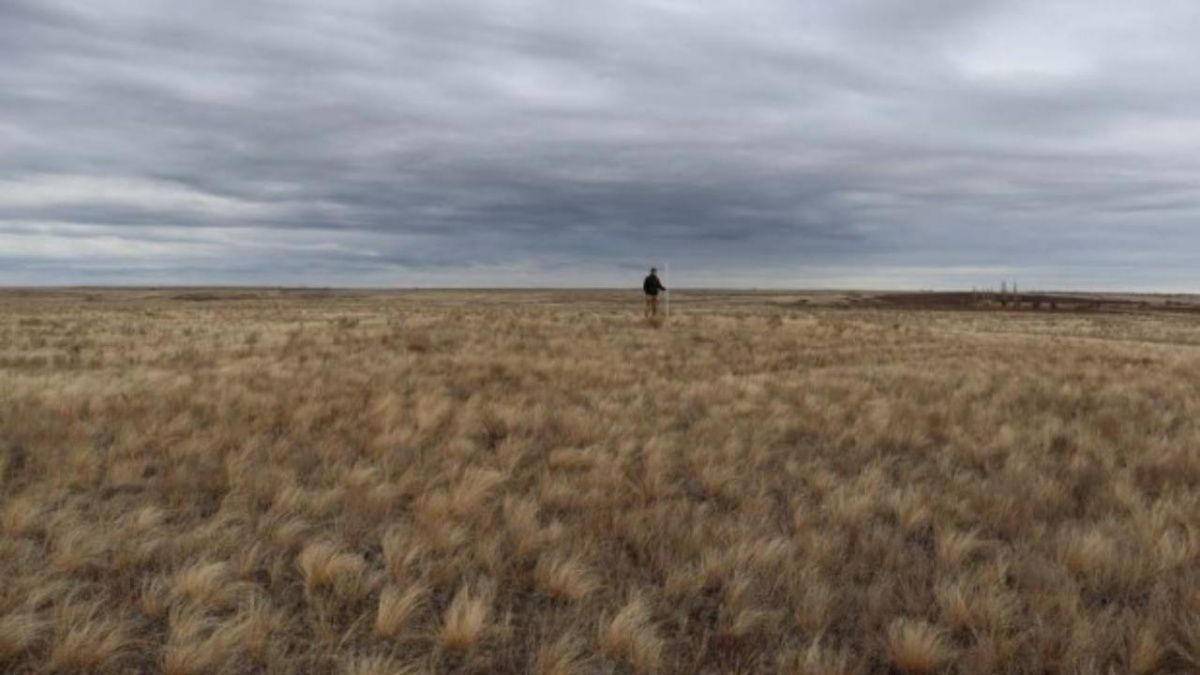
column 745, row 143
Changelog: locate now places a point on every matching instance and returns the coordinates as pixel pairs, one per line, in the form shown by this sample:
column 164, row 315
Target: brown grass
column 631, row 637
column 541, row 482
column 466, row 618
column 396, row 609
column 917, row 647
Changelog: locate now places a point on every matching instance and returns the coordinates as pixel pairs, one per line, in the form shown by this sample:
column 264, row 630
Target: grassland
column 243, row 482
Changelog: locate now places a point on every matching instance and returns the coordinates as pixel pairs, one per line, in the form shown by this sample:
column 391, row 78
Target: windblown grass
column 539, row 482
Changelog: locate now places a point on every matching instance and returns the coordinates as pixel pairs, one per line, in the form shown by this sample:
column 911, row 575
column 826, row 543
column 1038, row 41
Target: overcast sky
column 789, row 143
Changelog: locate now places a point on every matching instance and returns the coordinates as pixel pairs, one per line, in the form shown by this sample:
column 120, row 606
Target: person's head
column 653, row 271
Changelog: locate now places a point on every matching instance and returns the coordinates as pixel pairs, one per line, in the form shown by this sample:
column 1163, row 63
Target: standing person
column 652, row 286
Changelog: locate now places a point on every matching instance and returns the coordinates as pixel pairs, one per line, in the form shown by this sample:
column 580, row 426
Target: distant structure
column 1009, row 294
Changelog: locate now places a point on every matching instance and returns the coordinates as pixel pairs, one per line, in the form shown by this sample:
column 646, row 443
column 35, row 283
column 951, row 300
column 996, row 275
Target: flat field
column 199, row 481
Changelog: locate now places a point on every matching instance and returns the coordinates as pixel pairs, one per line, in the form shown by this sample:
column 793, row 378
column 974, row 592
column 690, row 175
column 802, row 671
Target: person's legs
column 653, row 300
column 646, row 307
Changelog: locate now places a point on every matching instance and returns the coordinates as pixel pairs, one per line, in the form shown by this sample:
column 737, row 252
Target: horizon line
column 632, row 289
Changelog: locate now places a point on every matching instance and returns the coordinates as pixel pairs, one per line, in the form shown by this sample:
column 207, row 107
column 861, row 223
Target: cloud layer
column 929, row 143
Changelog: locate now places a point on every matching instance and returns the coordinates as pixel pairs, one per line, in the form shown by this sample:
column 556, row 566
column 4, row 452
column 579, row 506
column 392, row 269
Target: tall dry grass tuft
column 955, row 548
column 205, row 583
column 198, row 643
column 564, row 656
column 917, row 647
column 631, row 637
column 817, row 659
column 85, row 642
column 154, row 598
column 466, row 619
column 20, row 632
column 256, row 628
column 524, row 527
column 397, row 608
column 325, row 566
column 475, row 487
column 565, row 578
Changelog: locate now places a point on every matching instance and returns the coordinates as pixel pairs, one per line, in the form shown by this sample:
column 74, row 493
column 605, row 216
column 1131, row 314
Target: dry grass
column 631, row 637
column 540, row 482
column 397, row 608
column 917, row 647
column 466, row 619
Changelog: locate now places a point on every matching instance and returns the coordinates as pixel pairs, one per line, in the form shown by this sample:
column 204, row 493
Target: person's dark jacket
column 652, row 285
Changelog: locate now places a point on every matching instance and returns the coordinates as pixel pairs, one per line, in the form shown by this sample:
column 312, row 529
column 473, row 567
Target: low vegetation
column 380, row 483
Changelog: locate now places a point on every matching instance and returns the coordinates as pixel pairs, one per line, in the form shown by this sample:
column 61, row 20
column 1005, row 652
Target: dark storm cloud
column 511, row 142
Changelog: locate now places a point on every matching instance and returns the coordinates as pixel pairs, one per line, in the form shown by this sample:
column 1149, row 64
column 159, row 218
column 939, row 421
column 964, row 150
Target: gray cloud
column 512, row 142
